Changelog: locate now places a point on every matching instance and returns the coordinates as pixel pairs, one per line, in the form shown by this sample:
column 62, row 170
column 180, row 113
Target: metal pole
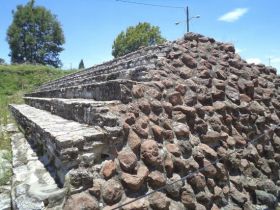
column 188, row 20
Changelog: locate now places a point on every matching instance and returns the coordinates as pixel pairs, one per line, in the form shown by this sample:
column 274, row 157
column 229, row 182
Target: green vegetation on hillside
column 15, row 80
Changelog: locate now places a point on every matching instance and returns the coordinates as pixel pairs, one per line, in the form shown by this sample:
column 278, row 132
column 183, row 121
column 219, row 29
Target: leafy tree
column 143, row 34
column 2, row 61
column 35, row 36
column 81, row 64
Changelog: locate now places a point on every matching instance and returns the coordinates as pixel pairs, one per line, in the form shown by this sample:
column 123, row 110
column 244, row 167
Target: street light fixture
column 188, row 19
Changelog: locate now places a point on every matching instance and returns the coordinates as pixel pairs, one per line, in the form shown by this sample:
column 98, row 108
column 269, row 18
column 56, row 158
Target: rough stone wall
column 199, row 103
column 202, row 102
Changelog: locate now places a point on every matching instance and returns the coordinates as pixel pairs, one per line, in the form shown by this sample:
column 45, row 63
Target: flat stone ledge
column 86, row 111
column 102, row 91
column 65, row 144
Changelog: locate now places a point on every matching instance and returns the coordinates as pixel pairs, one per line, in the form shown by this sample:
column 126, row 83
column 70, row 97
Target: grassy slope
column 15, row 80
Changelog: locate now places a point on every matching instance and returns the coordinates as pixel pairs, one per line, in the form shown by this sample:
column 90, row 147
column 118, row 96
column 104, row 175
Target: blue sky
column 90, row 26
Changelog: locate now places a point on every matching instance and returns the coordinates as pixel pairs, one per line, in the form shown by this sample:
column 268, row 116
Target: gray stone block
column 66, row 143
column 86, row 111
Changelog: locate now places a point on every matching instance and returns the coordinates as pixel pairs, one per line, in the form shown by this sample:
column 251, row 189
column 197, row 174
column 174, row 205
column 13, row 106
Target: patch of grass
column 25, row 78
column 7, row 177
column 8, row 156
column 5, row 167
column 5, row 143
column 15, row 80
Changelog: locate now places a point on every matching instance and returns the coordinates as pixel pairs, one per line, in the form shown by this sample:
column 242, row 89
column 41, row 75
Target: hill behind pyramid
column 153, row 119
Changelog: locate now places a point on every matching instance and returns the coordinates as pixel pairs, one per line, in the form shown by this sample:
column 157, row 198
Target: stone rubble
column 6, row 169
column 32, row 185
column 163, row 112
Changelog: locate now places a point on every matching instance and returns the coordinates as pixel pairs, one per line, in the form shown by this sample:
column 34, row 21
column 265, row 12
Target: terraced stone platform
column 86, row 111
column 67, row 144
column 121, row 68
column 101, row 91
column 125, row 128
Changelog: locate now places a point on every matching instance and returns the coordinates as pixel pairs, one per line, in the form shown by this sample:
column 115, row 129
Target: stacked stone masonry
column 122, row 129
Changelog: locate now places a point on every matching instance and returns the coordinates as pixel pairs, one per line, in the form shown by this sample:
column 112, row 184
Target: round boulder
column 112, row 192
column 81, row 201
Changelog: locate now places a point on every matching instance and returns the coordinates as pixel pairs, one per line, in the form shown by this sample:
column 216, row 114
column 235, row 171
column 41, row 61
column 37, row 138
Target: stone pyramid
column 145, row 121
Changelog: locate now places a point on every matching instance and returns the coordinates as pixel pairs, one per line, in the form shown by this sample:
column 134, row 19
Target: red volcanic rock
column 95, row 190
column 189, row 61
column 158, row 133
column 141, row 204
column 175, row 98
column 134, row 141
column 138, row 91
column 81, row 201
column 189, row 111
column 131, row 181
column 154, row 93
column 198, row 182
column 150, row 152
column 188, row 197
column 169, row 166
column 181, row 130
column 207, row 151
column 156, row 179
column 130, row 118
column 181, row 89
column 159, row 201
column 156, row 106
column 167, row 107
column 128, row 160
column 134, row 182
column 112, row 192
column 173, row 149
column 109, row 169
column 144, row 106
column 210, row 170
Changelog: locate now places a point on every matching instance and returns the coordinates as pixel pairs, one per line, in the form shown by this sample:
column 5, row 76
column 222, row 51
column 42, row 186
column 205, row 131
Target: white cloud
column 233, row 15
column 239, row 50
column 275, row 60
column 254, row 60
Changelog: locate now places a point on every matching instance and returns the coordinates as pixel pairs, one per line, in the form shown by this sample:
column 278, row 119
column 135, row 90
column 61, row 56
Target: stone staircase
column 73, row 119
column 70, row 132
column 122, row 67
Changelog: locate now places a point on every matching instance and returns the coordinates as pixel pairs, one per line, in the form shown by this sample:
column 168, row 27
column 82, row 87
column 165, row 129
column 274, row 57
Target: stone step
column 86, row 111
column 66, row 144
column 136, row 74
column 128, row 61
column 102, row 91
column 119, row 71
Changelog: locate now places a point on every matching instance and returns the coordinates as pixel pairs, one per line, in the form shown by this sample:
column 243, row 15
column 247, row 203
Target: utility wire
column 153, row 5
column 272, row 128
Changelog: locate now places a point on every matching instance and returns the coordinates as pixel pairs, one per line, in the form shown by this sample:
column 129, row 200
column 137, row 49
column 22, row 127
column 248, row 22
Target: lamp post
column 188, row 19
